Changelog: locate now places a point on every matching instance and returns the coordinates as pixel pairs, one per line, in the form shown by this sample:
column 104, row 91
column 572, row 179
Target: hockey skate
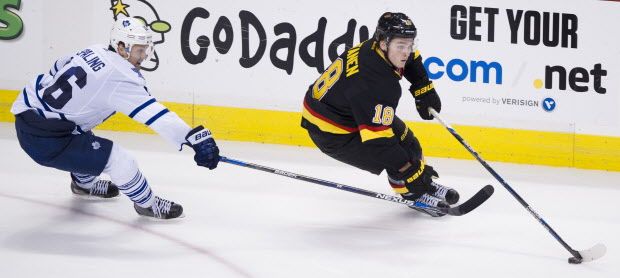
column 431, row 201
column 161, row 208
column 101, row 189
column 445, row 193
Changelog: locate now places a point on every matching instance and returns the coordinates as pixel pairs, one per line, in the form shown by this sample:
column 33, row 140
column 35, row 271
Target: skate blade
column 155, row 219
column 94, row 198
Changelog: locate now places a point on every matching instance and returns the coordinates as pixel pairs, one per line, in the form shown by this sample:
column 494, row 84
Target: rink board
column 496, row 144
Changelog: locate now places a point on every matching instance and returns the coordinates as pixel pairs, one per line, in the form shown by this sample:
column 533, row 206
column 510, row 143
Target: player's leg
column 348, row 149
column 124, row 172
column 355, row 153
column 414, row 150
column 89, row 185
column 85, row 157
column 51, row 143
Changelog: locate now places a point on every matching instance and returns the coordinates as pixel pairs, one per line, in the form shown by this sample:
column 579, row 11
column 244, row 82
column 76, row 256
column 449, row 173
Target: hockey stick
column 462, row 209
column 587, row 255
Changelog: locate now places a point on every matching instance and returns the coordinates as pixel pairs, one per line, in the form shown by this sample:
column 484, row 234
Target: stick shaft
column 386, row 197
column 504, row 183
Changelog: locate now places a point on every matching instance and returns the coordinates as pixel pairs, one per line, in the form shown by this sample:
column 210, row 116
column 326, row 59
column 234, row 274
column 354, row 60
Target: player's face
column 139, row 53
column 399, row 50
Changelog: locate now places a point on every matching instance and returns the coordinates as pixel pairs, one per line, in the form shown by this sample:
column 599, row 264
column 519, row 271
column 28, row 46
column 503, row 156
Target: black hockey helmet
column 392, row 25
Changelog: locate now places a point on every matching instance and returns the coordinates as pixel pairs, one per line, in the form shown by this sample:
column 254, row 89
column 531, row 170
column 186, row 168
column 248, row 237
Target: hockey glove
column 425, row 98
column 207, row 152
column 414, row 181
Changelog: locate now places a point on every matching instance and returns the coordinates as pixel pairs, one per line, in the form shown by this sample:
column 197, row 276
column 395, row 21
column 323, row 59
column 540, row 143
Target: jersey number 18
column 329, row 77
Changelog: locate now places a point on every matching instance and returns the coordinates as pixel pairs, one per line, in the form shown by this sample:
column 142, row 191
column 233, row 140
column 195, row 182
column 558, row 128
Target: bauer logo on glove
column 198, row 137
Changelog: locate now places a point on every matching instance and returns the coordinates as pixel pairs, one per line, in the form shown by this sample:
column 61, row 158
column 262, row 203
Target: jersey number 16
column 65, row 87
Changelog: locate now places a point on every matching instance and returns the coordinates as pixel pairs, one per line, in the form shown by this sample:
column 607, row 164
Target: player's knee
column 413, row 148
column 407, row 139
column 120, row 164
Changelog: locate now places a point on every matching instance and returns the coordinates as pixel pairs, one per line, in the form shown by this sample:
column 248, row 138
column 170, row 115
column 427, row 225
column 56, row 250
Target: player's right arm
column 133, row 100
column 422, row 88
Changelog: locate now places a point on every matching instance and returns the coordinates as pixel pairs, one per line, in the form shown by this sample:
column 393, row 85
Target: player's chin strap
column 587, row 255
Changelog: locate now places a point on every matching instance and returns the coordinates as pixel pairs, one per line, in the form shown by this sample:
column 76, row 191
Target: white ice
column 245, row 223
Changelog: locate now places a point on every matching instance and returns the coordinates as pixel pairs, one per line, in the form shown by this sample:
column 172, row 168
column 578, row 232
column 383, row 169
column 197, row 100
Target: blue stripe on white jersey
column 41, row 113
column 37, row 86
column 26, row 98
column 142, row 106
column 157, row 116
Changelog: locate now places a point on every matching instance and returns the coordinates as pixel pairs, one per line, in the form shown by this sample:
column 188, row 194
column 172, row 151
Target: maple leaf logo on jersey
column 144, row 11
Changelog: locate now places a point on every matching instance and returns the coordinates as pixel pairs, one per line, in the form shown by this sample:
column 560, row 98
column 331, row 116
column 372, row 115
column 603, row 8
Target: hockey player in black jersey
column 350, row 111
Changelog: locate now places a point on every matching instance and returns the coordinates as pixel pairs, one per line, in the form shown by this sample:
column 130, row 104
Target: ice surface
column 246, row 223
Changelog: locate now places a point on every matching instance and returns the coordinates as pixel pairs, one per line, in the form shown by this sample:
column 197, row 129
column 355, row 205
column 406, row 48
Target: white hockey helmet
column 131, row 31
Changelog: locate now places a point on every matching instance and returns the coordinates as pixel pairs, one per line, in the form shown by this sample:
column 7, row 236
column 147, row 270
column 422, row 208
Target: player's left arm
column 422, row 88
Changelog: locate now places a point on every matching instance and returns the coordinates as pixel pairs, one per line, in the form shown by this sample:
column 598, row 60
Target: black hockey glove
column 207, row 152
column 425, row 99
column 414, row 181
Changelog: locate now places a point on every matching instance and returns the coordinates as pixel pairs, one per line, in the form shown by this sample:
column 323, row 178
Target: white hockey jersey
column 90, row 86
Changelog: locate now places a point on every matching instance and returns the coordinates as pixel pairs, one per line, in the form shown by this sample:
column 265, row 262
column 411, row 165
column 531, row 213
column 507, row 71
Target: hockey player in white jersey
column 55, row 113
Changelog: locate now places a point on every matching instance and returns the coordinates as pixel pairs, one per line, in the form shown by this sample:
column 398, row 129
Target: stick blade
column 595, row 252
column 473, row 202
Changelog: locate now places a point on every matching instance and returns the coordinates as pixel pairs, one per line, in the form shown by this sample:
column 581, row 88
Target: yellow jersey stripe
column 369, row 134
column 401, row 190
column 324, row 124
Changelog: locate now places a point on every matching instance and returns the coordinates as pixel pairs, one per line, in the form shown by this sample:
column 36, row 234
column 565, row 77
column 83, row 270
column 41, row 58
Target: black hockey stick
column 462, row 209
column 587, row 255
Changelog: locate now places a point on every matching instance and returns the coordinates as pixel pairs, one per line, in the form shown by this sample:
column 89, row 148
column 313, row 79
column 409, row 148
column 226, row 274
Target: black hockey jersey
column 357, row 95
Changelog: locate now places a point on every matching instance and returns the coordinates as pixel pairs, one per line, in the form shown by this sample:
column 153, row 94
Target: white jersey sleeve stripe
column 142, row 106
column 157, row 116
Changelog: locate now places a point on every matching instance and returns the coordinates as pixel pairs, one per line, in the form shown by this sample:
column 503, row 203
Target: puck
column 574, row 260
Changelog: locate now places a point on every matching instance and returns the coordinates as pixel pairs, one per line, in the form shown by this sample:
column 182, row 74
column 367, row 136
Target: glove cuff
column 197, row 135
